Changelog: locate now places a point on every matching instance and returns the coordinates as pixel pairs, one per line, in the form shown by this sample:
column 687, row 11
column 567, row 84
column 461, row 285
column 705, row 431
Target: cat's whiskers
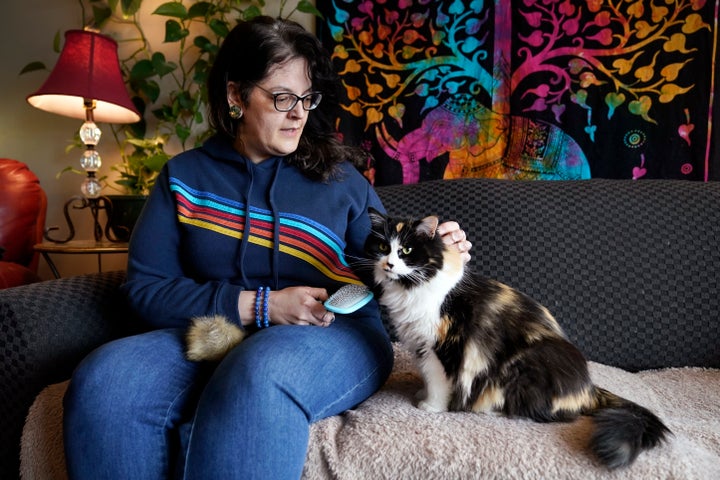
column 360, row 263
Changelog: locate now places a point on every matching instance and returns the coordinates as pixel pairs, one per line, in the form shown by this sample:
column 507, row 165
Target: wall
column 38, row 138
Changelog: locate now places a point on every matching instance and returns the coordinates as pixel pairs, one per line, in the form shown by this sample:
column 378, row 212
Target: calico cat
column 482, row 346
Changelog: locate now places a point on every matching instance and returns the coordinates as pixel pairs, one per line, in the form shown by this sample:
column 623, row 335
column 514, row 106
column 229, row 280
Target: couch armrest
column 46, row 328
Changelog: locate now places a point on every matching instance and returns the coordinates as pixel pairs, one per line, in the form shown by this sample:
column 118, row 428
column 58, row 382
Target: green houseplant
column 165, row 76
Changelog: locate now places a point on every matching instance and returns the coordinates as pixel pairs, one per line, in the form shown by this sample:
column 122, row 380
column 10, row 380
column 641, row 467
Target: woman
column 255, row 225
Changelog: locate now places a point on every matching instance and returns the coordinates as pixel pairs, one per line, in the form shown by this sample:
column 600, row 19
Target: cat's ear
column 376, row 218
column 428, row 226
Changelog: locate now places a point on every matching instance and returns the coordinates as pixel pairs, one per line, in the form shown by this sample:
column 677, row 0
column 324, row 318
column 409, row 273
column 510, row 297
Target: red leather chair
column 23, row 206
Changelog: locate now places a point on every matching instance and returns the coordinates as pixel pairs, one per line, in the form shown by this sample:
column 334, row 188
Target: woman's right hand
column 290, row 306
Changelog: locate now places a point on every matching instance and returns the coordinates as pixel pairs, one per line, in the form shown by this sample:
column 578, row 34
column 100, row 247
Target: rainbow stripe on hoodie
column 299, row 236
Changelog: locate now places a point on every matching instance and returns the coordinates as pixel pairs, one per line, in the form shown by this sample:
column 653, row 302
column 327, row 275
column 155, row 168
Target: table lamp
column 86, row 83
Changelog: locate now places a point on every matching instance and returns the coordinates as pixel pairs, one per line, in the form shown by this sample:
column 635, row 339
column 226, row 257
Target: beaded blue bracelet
column 266, row 314
column 258, row 314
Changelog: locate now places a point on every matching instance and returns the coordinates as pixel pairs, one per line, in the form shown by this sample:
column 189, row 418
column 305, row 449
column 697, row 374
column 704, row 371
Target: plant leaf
column 156, row 162
column 160, row 66
column 152, row 90
column 200, row 9
column 32, row 67
column 141, row 70
column 172, row 9
column 56, row 42
column 185, row 100
column 101, row 14
column 219, row 27
column 202, row 42
column 305, row 6
column 130, row 7
column 202, row 69
column 174, row 31
column 182, row 132
column 251, row 12
column 138, row 128
column 65, row 170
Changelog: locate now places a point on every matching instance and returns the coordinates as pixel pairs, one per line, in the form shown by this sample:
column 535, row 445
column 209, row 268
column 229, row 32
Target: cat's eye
column 383, row 247
column 406, row 250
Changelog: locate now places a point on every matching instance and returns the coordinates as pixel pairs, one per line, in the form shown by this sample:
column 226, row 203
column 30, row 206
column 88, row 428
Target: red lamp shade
column 88, row 69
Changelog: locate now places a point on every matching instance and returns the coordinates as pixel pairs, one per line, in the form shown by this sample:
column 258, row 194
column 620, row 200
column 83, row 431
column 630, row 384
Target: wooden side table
column 78, row 247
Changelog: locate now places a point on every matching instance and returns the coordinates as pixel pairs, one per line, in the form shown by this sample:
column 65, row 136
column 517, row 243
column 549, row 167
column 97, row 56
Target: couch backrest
column 629, row 268
column 23, row 206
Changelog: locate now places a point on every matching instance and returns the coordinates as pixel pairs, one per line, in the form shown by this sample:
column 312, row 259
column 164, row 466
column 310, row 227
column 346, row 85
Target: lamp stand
column 79, row 202
column 90, row 162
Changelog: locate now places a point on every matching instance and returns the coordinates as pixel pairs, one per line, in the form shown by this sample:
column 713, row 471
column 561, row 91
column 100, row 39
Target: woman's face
column 265, row 132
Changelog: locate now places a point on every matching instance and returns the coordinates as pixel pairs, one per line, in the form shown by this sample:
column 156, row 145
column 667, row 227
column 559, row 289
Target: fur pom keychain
column 211, row 338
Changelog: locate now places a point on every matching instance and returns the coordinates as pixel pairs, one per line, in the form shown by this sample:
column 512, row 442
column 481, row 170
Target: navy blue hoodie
column 216, row 224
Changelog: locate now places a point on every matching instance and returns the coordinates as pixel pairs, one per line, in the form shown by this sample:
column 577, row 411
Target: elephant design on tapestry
column 481, row 143
column 525, row 89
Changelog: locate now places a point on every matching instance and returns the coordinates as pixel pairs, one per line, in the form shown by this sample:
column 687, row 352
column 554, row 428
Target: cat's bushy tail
column 623, row 429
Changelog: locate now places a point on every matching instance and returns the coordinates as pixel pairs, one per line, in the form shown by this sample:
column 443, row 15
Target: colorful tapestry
column 527, row 89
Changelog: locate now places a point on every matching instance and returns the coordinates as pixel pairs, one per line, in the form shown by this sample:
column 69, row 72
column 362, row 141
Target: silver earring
column 235, row 112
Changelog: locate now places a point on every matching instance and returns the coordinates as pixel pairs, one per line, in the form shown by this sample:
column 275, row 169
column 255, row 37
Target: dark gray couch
column 629, row 268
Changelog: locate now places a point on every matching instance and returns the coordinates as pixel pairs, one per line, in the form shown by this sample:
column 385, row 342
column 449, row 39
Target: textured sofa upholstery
column 23, row 206
column 629, row 268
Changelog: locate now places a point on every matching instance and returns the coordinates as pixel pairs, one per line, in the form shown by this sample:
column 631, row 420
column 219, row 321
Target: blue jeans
column 137, row 409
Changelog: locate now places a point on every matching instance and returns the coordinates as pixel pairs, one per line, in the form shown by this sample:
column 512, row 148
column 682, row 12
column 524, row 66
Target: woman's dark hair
column 246, row 56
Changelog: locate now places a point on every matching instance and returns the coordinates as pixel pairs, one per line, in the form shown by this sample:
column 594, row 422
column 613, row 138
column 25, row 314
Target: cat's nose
column 388, row 267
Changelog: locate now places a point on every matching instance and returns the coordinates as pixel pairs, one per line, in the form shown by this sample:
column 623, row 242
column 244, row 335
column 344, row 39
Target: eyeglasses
column 286, row 101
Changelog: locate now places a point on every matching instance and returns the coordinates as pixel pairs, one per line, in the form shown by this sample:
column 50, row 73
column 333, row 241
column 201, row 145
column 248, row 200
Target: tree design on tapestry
column 629, row 55
column 526, row 89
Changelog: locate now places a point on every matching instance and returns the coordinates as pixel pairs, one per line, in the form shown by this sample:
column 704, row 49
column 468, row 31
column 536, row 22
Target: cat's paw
column 432, row 407
column 421, row 395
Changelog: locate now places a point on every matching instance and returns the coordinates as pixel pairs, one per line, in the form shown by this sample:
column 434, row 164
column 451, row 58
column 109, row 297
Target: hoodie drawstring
column 275, row 258
column 276, row 227
column 246, row 233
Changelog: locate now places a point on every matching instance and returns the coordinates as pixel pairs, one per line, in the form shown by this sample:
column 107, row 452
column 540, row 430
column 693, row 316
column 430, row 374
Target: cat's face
column 404, row 250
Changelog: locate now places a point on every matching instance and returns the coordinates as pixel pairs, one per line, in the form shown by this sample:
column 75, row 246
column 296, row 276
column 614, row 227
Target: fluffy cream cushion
column 386, row 437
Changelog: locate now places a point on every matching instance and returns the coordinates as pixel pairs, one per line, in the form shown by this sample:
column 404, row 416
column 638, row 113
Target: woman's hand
column 300, row 306
column 289, row 306
column 452, row 234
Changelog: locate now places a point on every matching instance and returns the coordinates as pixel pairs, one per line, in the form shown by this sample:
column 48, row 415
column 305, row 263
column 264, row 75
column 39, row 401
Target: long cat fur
column 482, row 346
